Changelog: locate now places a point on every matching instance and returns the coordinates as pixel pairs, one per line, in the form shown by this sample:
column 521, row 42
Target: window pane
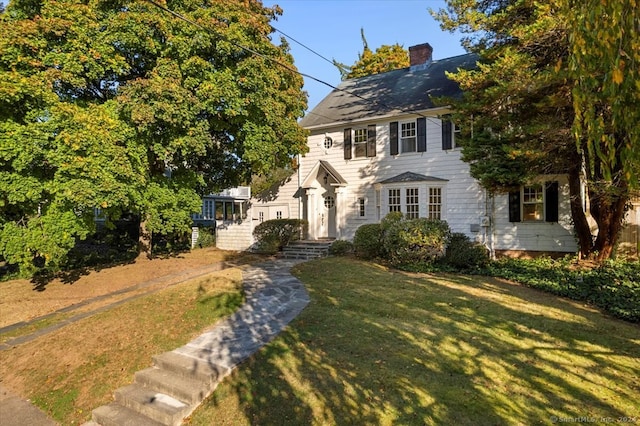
column 409, row 145
column 413, row 207
column 228, row 211
column 532, row 203
column 408, row 137
column 394, row 200
column 219, row 210
column 435, row 203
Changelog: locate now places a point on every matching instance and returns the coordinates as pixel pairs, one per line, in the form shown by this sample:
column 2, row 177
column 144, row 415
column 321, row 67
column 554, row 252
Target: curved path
column 181, row 379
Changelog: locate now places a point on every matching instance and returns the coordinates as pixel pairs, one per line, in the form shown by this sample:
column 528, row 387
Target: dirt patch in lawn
column 21, row 300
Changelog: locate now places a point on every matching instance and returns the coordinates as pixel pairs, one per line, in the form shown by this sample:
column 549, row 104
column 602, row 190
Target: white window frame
column 396, row 206
column 434, row 202
column 455, row 130
column 360, row 139
column 408, row 132
column 412, row 202
column 538, row 202
column 361, row 207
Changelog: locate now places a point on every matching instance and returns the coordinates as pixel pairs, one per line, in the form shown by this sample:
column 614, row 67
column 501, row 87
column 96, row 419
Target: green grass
column 71, row 371
column 385, row 347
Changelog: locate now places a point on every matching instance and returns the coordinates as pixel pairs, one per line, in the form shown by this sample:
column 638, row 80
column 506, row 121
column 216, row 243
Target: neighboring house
column 379, row 144
column 230, row 213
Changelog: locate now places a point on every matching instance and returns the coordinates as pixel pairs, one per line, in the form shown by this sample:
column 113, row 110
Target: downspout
column 300, row 195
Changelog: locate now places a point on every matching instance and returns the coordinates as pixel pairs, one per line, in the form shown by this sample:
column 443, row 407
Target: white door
column 328, row 215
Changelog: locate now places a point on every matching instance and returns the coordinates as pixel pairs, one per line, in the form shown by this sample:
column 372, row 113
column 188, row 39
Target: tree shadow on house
column 380, row 347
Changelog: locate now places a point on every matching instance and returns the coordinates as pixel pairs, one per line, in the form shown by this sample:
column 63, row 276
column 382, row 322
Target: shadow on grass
column 380, row 347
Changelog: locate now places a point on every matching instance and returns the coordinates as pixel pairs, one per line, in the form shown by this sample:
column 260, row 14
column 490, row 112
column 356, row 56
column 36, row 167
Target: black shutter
column 514, row 206
column 393, row 137
column 421, row 133
column 347, row 144
column 371, row 140
column 446, row 134
column 551, row 202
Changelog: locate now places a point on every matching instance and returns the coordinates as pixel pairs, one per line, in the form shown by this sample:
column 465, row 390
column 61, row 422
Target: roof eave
column 431, row 112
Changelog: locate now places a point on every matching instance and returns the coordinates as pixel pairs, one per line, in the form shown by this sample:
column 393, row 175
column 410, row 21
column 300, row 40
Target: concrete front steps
column 306, row 249
column 161, row 395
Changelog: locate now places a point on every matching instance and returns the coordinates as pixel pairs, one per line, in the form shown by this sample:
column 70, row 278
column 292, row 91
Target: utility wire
column 337, row 65
column 280, row 63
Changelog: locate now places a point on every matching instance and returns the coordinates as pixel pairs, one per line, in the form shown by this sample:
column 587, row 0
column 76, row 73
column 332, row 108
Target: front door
column 328, row 215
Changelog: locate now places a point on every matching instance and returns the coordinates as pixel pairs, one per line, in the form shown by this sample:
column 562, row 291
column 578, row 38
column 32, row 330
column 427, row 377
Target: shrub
column 464, row 255
column 367, row 242
column 341, row 248
column 272, row 235
column 206, row 236
column 412, row 242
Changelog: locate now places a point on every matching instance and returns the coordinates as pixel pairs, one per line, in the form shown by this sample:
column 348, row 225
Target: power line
column 308, row 48
column 280, row 63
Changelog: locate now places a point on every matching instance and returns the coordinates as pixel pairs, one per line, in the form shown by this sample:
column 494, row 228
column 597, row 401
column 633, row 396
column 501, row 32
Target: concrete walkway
column 273, row 298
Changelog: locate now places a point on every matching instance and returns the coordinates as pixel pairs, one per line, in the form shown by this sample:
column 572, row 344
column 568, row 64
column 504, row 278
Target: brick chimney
column 420, row 54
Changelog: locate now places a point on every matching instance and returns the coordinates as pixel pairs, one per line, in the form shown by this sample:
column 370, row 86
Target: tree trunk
column 608, row 210
column 144, row 240
column 580, row 223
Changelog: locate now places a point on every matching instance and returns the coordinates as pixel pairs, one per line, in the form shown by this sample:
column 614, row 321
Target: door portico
column 323, row 188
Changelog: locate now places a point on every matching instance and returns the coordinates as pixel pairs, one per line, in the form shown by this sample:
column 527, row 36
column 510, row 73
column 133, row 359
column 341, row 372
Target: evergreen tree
column 520, row 102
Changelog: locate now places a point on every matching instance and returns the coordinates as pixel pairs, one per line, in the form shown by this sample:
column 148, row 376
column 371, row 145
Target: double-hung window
column 408, row 136
column 361, row 207
column 394, row 200
column 360, row 142
column 434, row 207
column 534, row 203
column 412, row 203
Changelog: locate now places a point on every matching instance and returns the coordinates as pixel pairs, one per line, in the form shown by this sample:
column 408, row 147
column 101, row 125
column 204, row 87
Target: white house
column 379, row 144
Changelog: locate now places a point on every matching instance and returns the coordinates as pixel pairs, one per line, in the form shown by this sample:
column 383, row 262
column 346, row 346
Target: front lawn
column 385, row 347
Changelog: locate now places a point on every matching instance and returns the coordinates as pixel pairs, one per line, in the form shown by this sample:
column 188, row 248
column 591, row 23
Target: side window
column 361, row 207
column 534, row 203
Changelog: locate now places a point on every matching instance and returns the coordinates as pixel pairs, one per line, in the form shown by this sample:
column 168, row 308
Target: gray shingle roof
column 391, row 92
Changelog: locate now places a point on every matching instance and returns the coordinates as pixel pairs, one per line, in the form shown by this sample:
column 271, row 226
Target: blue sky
column 332, row 28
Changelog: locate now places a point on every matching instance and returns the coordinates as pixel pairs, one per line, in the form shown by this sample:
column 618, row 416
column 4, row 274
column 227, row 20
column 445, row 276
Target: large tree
column 519, row 104
column 385, row 58
column 124, row 106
